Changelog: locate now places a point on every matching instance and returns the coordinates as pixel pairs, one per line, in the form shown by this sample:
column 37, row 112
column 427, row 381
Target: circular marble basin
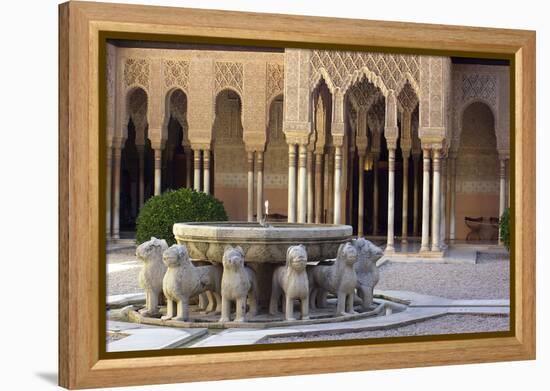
column 261, row 244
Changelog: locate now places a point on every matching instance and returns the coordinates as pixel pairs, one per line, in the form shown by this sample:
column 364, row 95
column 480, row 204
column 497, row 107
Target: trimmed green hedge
column 505, row 228
column 160, row 213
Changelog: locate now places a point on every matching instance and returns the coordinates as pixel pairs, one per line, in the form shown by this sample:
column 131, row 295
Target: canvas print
column 260, row 195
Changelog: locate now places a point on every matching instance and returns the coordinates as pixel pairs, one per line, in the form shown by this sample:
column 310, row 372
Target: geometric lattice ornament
column 479, row 86
column 176, row 73
column 364, row 93
column 340, row 66
column 136, row 72
column 275, row 80
column 407, row 98
column 229, row 74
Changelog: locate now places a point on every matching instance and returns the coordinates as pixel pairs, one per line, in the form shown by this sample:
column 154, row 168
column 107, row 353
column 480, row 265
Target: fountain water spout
column 263, row 220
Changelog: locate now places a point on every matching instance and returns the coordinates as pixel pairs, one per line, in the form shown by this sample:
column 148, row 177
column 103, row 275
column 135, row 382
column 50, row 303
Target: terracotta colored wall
column 473, row 205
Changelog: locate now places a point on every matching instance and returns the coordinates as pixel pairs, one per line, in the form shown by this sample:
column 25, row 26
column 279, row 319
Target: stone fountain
column 262, row 261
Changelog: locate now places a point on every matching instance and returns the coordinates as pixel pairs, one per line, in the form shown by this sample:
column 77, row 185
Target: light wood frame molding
column 81, row 364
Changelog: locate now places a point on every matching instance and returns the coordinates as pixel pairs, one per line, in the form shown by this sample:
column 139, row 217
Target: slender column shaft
column 141, row 175
column 206, row 170
column 436, row 201
column 361, row 197
column 260, row 185
column 425, row 242
column 375, row 195
column 391, row 200
column 502, row 198
column 188, row 168
column 116, row 193
column 250, row 193
column 443, row 206
column 330, row 188
column 319, row 169
column 109, row 189
column 415, row 195
column 310, row 184
column 302, row 184
column 158, row 170
column 452, row 201
column 405, row 200
column 197, row 169
column 292, row 183
column 337, row 185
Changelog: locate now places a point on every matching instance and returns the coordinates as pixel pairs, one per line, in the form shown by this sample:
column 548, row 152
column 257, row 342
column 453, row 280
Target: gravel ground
column 448, row 324
column 122, row 282
column 487, row 279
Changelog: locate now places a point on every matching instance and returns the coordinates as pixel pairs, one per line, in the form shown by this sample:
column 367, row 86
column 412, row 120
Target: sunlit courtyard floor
column 467, row 294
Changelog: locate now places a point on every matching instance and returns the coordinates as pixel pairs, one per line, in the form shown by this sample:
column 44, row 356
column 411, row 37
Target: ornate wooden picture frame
column 83, row 30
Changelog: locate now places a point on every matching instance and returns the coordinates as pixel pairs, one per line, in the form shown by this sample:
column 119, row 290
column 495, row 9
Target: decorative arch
column 320, row 75
column 135, row 109
column 370, row 76
column 460, row 115
column 216, row 109
column 408, row 78
column 179, row 116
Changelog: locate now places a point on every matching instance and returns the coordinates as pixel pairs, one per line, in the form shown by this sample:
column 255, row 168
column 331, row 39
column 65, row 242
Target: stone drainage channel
column 129, row 331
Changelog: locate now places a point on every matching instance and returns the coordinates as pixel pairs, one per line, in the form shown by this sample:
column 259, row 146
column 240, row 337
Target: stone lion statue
column 292, row 280
column 183, row 280
column 339, row 279
column 238, row 283
column 152, row 273
column 367, row 271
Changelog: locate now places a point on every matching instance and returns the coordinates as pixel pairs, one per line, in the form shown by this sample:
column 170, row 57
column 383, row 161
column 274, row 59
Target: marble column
column 425, row 242
column 502, row 195
column 117, row 151
column 259, row 185
column 310, row 188
column 206, row 170
column 361, row 195
column 319, row 169
column 415, row 194
column 197, row 169
column 443, row 206
column 391, row 199
column 109, row 190
column 405, row 200
column 436, row 200
column 330, row 187
column 188, row 167
column 158, row 170
column 452, row 198
column 375, row 193
column 337, row 184
column 292, row 183
column 250, row 192
column 141, row 174
column 302, row 183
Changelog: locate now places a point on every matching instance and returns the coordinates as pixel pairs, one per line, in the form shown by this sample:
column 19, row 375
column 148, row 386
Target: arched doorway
column 477, row 171
column 177, row 156
column 276, row 162
column 230, row 181
column 136, row 174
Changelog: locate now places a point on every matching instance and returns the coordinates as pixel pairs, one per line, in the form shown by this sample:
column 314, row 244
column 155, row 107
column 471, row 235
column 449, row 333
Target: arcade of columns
column 337, row 105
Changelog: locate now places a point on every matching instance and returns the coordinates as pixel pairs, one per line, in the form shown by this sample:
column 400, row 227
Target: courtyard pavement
column 466, row 292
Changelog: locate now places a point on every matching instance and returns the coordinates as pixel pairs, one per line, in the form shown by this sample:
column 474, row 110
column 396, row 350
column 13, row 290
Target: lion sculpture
column 152, row 273
column 367, row 271
column 238, row 283
column 292, row 280
column 339, row 279
column 183, row 280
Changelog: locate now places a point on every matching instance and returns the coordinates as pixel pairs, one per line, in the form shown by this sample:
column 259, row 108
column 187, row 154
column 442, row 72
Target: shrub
column 505, row 228
column 159, row 213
